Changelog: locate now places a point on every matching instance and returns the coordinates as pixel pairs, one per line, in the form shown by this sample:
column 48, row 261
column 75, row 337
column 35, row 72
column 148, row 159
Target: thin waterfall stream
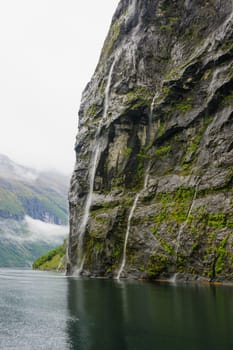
column 174, row 277
column 146, row 180
column 129, row 226
column 127, row 234
column 97, row 149
column 186, row 221
column 94, row 164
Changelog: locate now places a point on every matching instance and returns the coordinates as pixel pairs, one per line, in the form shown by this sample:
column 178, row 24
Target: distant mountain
column 24, row 191
column 33, row 212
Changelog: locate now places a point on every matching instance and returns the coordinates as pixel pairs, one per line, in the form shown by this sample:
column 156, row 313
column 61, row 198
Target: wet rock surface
column 160, row 105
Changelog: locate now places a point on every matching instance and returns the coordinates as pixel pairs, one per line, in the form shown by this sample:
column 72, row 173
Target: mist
column 46, row 232
column 49, row 51
column 33, row 231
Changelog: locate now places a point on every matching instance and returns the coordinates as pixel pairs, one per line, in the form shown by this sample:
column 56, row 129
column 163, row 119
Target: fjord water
column 40, row 310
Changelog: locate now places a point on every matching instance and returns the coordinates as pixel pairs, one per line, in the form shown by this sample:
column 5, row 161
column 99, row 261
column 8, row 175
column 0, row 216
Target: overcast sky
column 48, row 52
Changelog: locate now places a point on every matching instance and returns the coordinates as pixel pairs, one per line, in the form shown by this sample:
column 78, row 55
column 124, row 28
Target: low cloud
column 42, row 231
column 32, row 231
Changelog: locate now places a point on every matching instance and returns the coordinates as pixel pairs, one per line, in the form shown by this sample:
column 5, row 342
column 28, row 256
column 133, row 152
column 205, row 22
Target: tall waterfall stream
column 93, row 167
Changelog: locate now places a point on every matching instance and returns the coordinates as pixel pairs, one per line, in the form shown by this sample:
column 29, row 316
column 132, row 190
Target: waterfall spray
column 96, row 153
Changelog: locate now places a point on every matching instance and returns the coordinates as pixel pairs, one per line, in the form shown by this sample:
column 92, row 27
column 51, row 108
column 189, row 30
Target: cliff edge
column 151, row 193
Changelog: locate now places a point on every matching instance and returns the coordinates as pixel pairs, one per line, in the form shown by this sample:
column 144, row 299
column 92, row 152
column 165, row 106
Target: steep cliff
column 151, row 193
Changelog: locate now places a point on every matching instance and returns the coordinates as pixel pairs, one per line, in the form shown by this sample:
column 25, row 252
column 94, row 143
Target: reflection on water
column 134, row 315
column 48, row 311
column 97, row 306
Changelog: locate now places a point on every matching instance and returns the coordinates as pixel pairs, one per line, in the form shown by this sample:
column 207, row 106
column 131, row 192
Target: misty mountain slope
column 33, row 212
column 23, row 191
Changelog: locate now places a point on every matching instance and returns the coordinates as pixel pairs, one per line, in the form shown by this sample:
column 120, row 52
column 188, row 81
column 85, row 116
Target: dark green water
column 48, row 311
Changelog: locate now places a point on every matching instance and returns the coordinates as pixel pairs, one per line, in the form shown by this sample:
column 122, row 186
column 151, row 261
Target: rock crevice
column 158, row 110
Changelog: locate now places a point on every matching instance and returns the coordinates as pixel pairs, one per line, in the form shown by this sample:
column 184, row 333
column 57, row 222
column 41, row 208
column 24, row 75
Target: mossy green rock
column 169, row 116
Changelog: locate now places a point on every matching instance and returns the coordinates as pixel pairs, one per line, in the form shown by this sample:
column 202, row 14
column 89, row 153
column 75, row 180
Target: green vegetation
column 96, row 242
column 52, row 207
column 170, row 23
column 207, row 74
column 217, row 220
column 157, row 264
column 227, row 100
column 53, row 260
column 167, row 247
column 166, row 90
column 184, row 107
column 193, row 146
column 92, row 110
column 142, row 157
column 199, row 236
column 180, row 195
column 221, row 253
column 10, row 204
column 25, row 200
column 186, row 166
column 112, row 37
column 127, row 151
column 19, row 247
column 138, row 97
column 162, row 151
column 161, row 130
column 138, row 92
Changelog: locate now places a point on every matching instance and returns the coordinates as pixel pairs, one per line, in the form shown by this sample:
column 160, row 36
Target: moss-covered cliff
column 151, row 194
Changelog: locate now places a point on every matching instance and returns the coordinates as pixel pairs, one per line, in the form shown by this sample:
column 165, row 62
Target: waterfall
column 129, row 225
column 127, row 234
column 132, row 13
column 186, row 221
column 132, row 7
column 216, row 80
column 96, row 153
column 173, row 278
column 225, row 26
column 87, row 207
column 152, row 106
column 107, row 89
column 217, row 35
column 137, row 195
column 133, row 50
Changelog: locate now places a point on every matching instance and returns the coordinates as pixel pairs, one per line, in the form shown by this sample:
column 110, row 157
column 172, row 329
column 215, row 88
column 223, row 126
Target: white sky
column 48, row 52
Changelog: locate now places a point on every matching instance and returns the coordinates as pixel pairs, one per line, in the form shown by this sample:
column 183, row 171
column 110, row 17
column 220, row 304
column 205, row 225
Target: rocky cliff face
column 151, row 194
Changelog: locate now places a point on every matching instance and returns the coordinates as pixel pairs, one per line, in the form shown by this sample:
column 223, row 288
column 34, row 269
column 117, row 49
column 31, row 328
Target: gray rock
column 156, row 132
